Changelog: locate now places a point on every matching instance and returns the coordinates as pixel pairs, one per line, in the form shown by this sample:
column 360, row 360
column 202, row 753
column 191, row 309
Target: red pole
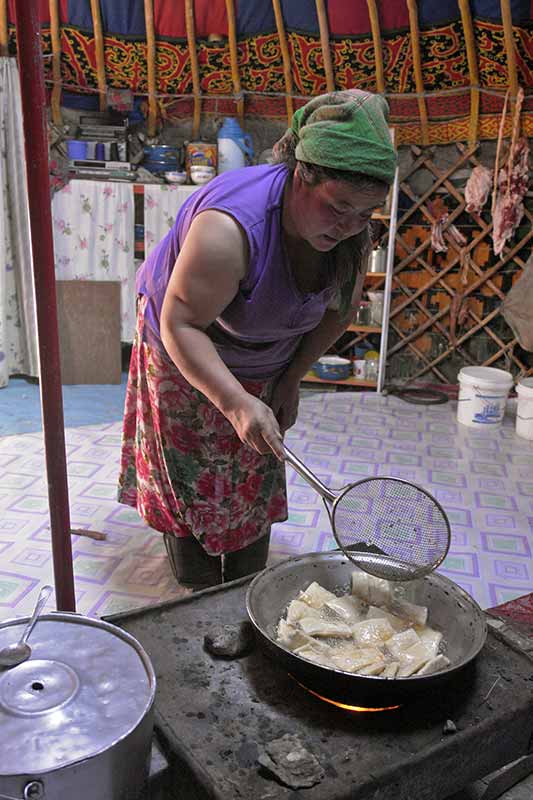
column 42, row 245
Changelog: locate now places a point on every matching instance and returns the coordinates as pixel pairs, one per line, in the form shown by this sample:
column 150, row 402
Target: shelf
column 364, row 328
column 312, row 378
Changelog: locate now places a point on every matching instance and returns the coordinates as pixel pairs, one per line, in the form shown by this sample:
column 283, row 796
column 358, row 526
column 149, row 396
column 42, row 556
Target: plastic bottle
column 235, row 147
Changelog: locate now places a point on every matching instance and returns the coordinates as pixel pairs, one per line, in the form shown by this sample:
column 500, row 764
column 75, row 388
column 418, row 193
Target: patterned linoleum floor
column 484, row 480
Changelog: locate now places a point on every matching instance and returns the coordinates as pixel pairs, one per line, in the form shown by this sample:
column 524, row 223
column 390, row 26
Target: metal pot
column 451, row 610
column 77, row 717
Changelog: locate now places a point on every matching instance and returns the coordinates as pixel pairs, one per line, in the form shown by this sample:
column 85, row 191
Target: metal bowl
column 451, row 611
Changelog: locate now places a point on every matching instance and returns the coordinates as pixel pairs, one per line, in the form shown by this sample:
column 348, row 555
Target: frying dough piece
column 430, row 638
column 435, row 665
column 391, row 670
column 359, row 584
column 397, row 623
column 298, row 609
column 291, row 637
column 417, row 615
column 373, row 669
column 354, row 659
column 379, row 591
column 412, row 659
column 307, row 651
column 323, row 627
column 375, row 591
column 372, row 632
column 315, row 595
column 348, row 608
column 402, row 641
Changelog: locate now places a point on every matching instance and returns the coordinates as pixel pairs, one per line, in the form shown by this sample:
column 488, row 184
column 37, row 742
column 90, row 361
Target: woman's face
column 328, row 212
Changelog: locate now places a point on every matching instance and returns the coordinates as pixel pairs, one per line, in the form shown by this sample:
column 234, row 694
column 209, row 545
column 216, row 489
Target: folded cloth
column 346, row 130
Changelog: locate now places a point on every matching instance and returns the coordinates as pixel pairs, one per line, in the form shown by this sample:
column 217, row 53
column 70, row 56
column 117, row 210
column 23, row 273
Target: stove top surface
column 217, row 715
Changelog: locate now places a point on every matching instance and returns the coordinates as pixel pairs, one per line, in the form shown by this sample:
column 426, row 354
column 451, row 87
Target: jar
column 363, row 314
column 376, row 300
column 371, row 369
column 359, row 368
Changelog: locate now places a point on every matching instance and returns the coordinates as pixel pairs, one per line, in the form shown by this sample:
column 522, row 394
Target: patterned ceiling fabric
column 351, row 19
column 125, row 17
column 254, row 16
column 79, row 14
column 209, row 17
column 521, row 10
column 443, row 51
column 436, row 12
column 300, row 16
column 44, row 11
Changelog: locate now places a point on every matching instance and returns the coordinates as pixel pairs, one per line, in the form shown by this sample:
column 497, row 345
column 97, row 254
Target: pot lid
column 85, row 687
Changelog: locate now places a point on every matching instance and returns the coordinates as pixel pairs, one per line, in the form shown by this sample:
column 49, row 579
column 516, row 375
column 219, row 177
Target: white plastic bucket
column 524, row 408
column 483, row 394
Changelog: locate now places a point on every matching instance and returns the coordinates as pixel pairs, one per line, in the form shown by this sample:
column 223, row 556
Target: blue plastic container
column 76, row 149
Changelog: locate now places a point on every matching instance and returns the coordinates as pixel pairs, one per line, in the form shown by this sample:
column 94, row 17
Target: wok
column 451, row 611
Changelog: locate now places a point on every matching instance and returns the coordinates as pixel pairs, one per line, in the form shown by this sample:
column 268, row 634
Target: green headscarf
column 346, row 130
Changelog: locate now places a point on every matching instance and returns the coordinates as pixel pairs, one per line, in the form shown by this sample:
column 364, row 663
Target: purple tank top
column 258, row 333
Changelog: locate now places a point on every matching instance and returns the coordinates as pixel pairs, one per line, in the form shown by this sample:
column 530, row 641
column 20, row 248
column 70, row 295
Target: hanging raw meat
column 437, row 240
column 512, row 187
column 440, row 215
column 477, row 189
column 510, row 182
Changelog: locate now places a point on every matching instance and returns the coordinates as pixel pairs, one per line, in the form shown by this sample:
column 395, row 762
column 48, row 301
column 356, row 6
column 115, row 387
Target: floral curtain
column 18, row 336
column 94, row 239
column 161, row 204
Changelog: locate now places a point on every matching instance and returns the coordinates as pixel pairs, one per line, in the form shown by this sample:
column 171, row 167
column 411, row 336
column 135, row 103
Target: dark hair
column 351, row 255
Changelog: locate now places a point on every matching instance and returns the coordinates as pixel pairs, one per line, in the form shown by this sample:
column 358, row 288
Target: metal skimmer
column 389, row 527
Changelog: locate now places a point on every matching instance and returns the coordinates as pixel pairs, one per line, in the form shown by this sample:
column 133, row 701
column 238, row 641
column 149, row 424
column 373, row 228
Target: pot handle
column 34, row 790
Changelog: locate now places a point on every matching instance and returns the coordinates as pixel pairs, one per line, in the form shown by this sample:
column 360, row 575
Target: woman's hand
column 284, row 402
column 256, row 425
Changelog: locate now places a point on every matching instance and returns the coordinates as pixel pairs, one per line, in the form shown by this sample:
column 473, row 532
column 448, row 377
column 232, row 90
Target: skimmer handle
column 44, row 594
column 308, row 476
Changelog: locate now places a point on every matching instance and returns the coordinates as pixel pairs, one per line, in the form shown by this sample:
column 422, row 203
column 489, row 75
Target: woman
column 254, row 282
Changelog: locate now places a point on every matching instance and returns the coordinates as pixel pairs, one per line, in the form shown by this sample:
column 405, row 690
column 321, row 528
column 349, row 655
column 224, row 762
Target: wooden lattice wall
column 446, row 307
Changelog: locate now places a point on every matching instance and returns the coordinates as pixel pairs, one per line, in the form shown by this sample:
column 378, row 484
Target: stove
column 215, row 718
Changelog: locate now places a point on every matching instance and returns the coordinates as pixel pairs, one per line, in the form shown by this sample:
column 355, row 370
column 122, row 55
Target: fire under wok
column 451, row 611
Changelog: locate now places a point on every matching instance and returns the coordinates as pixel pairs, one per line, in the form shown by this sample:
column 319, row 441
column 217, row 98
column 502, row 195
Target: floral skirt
column 184, row 468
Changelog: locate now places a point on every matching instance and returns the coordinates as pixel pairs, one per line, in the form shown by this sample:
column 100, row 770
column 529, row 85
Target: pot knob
column 34, row 791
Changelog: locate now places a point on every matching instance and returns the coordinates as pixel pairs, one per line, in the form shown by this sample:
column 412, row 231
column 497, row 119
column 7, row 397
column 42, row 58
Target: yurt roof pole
column 36, row 147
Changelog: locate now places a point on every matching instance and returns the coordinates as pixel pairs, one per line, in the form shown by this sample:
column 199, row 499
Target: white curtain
column 94, row 239
column 18, row 337
column 161, row 204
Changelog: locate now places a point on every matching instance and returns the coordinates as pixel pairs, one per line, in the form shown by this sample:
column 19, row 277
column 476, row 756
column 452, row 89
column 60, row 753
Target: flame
column 345, row 706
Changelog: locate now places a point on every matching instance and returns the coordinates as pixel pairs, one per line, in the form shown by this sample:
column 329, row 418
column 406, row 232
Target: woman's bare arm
column 204, row 281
